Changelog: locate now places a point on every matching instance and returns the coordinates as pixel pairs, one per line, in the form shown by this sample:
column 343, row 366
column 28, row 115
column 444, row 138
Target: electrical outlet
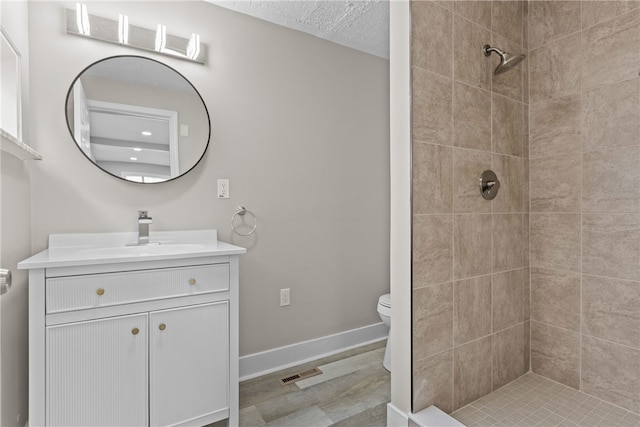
column 223, row 189
column 285, row 297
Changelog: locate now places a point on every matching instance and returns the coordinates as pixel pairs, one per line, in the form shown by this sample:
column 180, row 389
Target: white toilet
column 384, row 310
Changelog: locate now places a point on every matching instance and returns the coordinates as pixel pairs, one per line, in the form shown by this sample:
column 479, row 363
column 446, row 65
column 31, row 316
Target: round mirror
column 137, row 119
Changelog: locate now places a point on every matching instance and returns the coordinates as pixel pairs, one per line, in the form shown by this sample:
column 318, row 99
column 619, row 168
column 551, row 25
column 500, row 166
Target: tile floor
column 353, row 390
column 532, row 400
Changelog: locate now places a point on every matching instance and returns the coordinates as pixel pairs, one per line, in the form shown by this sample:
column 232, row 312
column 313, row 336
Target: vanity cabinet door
column 189, row 364
column 97, row 372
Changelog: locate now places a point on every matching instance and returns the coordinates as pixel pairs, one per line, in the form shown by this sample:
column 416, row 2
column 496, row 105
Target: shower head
column 507, row 60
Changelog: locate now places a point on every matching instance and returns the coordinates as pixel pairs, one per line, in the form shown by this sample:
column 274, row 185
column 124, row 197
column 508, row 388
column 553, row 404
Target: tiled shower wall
column 470, row 255
column 585, row 196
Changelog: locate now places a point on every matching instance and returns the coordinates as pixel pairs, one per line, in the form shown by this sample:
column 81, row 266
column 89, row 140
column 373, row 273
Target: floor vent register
column 300, row 376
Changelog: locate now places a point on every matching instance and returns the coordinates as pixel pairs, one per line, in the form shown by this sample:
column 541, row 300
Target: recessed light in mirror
column 137, row 149
column 133, row 158
column 146, row 133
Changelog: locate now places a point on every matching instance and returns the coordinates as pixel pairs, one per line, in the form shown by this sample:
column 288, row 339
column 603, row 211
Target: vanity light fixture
column 161, row 44
column 82, row 19
column 133, row 158
column 81, row 23
column 161, row 38
column 146, row 133
column 123, row 29
column 193, row 48
column 137, row 149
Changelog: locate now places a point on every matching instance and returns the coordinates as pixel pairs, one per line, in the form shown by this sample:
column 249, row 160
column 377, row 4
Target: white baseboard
column 266, row 362
column 395, row 417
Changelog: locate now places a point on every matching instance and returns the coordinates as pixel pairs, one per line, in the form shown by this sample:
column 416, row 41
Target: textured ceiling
column 358, row 24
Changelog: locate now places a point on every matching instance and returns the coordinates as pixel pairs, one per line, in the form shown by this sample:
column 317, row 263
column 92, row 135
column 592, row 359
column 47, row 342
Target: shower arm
column 488, row 49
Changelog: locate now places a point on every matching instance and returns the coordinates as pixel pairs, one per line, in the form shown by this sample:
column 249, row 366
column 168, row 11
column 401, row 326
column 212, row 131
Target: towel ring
column 241, row 210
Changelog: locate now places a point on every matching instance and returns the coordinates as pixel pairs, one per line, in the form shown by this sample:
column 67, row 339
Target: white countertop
column 67, row 250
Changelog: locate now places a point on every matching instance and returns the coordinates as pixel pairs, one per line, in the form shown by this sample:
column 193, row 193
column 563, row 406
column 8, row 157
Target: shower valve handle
column 489, row 185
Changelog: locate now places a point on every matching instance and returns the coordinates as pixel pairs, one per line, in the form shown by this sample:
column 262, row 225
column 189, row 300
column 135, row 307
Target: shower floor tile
column 533, row 400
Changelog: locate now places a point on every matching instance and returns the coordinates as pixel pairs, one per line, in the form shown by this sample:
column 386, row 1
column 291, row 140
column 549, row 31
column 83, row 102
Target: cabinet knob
column 100, row 291
column 162, row 326
column 135, row 331
column 192, row 281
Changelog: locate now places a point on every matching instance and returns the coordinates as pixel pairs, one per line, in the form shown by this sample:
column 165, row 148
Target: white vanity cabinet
column 188, row 362
column 97, row 372
column 140, row 341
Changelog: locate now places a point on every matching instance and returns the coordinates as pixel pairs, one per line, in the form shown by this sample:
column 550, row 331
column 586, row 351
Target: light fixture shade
column 81, row 23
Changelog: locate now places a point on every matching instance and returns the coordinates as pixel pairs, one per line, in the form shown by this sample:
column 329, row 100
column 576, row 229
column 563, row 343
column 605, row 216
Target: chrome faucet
column 143, row 227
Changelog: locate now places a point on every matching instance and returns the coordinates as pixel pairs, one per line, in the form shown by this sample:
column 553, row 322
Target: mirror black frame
column 66, row 109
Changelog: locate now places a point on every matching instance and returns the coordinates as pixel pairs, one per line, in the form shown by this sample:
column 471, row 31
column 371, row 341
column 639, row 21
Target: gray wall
column 300, row 126
column 15, row 239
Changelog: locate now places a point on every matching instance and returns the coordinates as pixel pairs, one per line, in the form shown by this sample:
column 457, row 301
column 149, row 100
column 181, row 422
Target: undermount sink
column 157, row 249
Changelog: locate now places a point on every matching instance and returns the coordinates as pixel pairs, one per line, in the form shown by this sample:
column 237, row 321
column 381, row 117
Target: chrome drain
column 300, row 376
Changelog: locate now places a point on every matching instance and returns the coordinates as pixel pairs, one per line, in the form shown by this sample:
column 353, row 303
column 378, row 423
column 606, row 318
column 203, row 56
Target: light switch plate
column 285, row 297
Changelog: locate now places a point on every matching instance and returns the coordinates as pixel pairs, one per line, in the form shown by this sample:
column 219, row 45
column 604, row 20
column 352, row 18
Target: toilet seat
column 384, row 305
column 384, row 310
column 385, row 300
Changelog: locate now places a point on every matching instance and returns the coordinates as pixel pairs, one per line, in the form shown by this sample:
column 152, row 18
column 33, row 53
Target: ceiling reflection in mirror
column 137, row 119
